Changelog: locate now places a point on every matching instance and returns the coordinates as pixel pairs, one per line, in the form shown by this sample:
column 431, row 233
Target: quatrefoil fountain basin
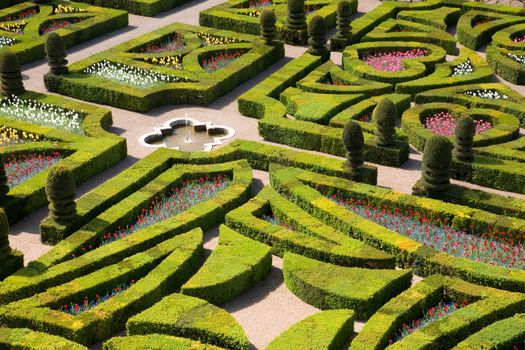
column 187, row 134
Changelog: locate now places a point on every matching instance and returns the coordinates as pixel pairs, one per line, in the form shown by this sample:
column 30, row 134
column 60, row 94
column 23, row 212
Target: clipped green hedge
column 326, row 330
column 27, row 339
column 506, row 66
column 310, row 191
column 233, row 267
column 440, row 18
column 443, row 75
column 157, row 272
column 305, row 235
column 138, row 7
column 512, row 150
column 414, row 68
column 236, row 15
column 94, row 22
column 156, row 342
column 328, row 286
column 196, row 86
column 86, row 155
column 485, row 306
column 505, row 37
column 189, row 317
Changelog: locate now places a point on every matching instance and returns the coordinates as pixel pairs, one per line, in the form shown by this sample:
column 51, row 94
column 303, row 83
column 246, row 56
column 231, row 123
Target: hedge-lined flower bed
column 22, row 167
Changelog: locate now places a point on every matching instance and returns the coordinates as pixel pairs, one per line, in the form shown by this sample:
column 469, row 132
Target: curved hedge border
column 414, row 68
column 87, row 155
column 502, row 334
column 58, row 266
column 232, row 15
column 326, row 330
column 505, row 37
column 485, row 306
column 260, row 102
column 190, row 317
column 505, row 127
column 157, row 342
column 442, row 76
column 96, row 21
column 505, row 66
column 234, row 266
column 26, row 339
column 199, row 86
column 158, row 272
column 299, row 185
column 138, row 7
column 513, row 150
column 440, row 18
column 310, row 237
column 412, row 31
column 328, row 286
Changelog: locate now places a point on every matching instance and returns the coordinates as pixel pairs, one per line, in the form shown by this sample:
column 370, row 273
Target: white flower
column 517, row 58
column 6, row 41
column 489, row 94
column 462, row 69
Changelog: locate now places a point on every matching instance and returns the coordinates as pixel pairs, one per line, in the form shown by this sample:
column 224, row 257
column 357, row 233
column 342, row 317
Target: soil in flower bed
column 366, row 117
column 433, row 314
column 175, row 42
column 491, row 247
column 35, row 112
column 178, row 200
column 443, row 123
column 481, row 20
column 22, row 167
column 12, row 137
column 89, row 303
column 391, row 61
column 329, row 80
column 56, row 24
column 220, row 60
column 27, row 13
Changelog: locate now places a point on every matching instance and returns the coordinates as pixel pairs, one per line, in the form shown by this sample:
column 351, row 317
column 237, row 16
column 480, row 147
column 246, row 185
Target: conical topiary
column 56, row 54
column 10, row 75
column 464, row 133
column 385, row 116
column 267, row 24
column 353, row 142
column 296, row 15
column 61, row 191
column 317, row 36
column 343, row 36
column 5, row 249
column 4, row 187
column 435, row 172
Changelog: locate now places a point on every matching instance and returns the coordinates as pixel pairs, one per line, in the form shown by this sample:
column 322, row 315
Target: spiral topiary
column 56, row 54
column 435, row 172
column 317, row 37
column 464, row 139
column 296, row 19
column 5, row 249
column 343, row 36
column 61, row 191
column 353, row 142
column 10, row 75
column 385, row 116
column 4, row 187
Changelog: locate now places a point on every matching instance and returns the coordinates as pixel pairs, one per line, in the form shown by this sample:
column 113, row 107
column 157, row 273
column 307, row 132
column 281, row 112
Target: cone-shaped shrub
column 4, row 187
column 343, row 36
column 353, row 141
column 5, row 250
column 317, row 36
column 10, row 75
column 435, row 172
column 56, row 54
column 296, row 15
column 268, row 28
column 61, row 191
column 464, row 139
column 385, row 116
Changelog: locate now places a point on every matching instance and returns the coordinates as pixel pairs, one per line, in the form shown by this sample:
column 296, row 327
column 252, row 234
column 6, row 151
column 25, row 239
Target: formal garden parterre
column 168, row 253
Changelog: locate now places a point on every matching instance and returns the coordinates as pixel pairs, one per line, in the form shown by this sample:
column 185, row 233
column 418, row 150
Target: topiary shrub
column 4, row 188
column 435, row 172
column 56, row 54
column 385, row 116
column 10, row 75
column 61, row 191
column 317, row 37
column 464, row 139
column 10, row 260
column 5, row 249
column 268, row 28
column 296, row 19
column 343, row 37
column 353, row 141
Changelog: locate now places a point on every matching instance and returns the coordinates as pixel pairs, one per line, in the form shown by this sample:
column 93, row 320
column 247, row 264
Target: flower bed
column 66, row 9
column 16, row 27
column 493, row 247
column 174, row 62
column 51, row 26
column 12, row 137
column 174, row 42
column 208, row 39
column 130, row 75
column 24, row 14
column 517, row 58
column 443, row 123
column 220, row 60
column 22, row 167
column 490, row 94
column 519, row 39
column 6, row 41
column 43, row 114
column 392, row 61
column 462, row 69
